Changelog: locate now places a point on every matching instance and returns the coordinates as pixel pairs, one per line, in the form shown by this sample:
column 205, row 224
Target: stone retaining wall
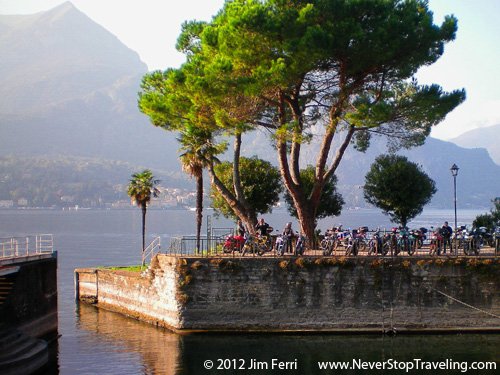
column 320, row 294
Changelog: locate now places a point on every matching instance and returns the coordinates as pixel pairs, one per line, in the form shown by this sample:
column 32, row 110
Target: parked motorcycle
column 233, row 243
column 300, row 245
column 282, row 242
column 436, row 242
column 375, row 245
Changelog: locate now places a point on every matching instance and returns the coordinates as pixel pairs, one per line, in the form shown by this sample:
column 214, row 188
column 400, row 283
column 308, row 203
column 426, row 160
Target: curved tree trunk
column 235, row 200
column 143, row 209
column 247, row 216
column 199, row 209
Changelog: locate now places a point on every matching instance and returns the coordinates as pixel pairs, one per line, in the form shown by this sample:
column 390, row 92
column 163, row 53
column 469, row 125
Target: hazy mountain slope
column 478, row 180
column 56, row 56
column 68, row 86
column 488, row 138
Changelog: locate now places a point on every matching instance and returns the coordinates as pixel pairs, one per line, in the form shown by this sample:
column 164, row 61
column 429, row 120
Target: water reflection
column 157, row 351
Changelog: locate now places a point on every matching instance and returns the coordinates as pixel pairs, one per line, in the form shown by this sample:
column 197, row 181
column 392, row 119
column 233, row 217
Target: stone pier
column 321, row 294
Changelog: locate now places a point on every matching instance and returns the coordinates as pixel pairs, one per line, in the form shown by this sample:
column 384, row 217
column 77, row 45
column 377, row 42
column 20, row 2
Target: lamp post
column 454, row 172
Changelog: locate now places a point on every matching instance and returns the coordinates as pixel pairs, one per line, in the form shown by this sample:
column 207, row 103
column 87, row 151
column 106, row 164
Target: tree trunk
column 247, row 216
column 143, row 208
column 199, row 208
column 238, row 191
column 307, row 222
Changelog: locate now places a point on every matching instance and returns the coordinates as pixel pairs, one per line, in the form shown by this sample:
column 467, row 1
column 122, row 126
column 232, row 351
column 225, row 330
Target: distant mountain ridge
column 63, row 44
column 69, row 87
column 478, row 180
column 488, row 138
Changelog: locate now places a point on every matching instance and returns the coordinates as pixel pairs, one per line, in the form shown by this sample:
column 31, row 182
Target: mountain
column 478, row 179
column 56, row 56
column 482, row 137
column 68, row 86
column 69, row 89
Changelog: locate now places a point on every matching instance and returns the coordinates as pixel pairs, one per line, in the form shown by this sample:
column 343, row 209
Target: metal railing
column 13, row 247
column 214, row 246
column 153, row 248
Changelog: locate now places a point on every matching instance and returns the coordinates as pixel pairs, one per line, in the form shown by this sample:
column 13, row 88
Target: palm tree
column 141, row 188
column 198, row 153
column 192, row 166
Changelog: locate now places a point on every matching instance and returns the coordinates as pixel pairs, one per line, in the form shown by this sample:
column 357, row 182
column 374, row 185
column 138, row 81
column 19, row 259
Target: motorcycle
column 390, row 242
column 233, row 243
column 330, row 242
column 300, row 245
column 406, row 242
column 420, row 236
column 475, row 241
column 282, row 244
column 375, row 245
column 436, row 242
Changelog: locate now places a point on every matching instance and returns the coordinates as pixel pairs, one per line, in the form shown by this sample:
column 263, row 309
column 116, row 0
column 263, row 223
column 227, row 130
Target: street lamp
column 454, row 173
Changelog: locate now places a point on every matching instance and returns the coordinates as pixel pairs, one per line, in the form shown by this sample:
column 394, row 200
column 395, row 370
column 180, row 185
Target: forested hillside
column 67, row 181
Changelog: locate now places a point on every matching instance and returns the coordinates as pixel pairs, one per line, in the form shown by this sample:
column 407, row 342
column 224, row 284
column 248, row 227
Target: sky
column 151, row 27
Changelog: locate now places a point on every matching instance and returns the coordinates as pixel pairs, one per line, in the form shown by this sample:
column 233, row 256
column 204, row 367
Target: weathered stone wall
column 31, row 303
column 150, row 297
column 310, row 294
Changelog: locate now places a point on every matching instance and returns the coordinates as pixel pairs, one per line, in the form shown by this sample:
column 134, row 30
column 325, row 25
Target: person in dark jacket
column 446, row 232
column 262, row 227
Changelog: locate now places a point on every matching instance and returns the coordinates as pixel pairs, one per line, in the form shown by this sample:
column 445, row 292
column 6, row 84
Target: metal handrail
column 14, row 247
column 153, row 248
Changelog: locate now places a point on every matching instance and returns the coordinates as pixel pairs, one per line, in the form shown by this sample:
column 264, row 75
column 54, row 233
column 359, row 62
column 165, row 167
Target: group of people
column 263, row 229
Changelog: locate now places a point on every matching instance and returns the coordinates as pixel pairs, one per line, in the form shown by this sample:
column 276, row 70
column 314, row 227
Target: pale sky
column 151, row 27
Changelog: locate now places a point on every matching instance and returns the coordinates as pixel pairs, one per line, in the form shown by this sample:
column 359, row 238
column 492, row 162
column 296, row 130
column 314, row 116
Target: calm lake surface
column 100, row 342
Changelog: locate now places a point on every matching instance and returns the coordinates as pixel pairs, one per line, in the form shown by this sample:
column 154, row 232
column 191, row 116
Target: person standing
column 263, row 230
column 288, row 234
column 240, row 229
column 262, row 227
column 446, row 232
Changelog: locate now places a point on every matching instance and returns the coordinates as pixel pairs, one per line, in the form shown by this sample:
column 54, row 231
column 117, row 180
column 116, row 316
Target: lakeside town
column 169, row 198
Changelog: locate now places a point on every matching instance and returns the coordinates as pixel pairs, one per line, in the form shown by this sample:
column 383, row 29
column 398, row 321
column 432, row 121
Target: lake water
column 100, row 342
